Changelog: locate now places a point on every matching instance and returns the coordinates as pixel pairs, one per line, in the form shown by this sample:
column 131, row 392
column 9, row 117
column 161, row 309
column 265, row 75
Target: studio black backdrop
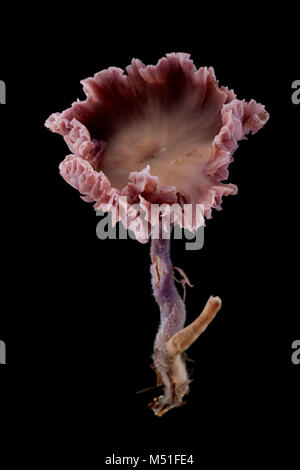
column 79, row 318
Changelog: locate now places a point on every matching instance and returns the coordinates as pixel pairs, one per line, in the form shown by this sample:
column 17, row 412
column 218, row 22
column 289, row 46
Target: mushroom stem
column 172, row 338
column 183, row 339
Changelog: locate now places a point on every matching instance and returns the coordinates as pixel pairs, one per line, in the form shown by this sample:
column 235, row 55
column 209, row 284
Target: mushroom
column 163, row 136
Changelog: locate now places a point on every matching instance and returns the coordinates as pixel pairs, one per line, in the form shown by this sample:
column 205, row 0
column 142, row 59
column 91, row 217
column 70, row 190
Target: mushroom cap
column 160, row 136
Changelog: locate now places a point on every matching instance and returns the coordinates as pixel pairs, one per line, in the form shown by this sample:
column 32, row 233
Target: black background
column 78, row 315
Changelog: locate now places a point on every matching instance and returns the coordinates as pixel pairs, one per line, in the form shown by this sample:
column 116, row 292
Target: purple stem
column 172, row 308
column 172, row 338
column 171, row 373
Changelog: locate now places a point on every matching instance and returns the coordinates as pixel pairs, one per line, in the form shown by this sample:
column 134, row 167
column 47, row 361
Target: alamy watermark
column 140, row 221
column 296, row 93
column 2, row 92
column 2, row 352
column 296, row 344
column 296, row 352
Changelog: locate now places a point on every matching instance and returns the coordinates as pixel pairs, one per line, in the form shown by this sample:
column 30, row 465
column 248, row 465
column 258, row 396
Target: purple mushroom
column 163, row 136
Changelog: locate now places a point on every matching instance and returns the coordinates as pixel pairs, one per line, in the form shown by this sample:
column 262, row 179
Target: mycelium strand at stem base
column 172, row 338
